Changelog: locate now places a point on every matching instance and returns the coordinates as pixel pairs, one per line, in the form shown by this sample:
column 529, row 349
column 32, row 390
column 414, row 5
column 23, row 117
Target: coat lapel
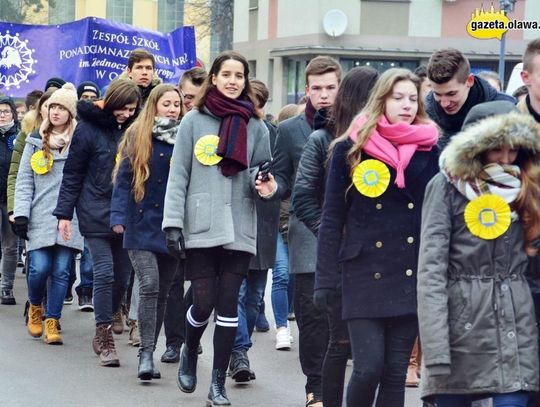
column 304, row 127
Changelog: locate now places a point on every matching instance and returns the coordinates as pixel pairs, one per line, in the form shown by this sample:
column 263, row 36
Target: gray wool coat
column 213, row 210
column 36, row 196
column 291, row 139
column 475, row 310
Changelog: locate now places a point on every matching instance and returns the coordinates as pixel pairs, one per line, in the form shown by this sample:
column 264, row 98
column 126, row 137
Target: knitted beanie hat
column 88, row 86
column 67, row 97
column 54, row 81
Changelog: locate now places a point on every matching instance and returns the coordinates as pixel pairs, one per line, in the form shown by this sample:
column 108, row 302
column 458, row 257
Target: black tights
column 219, row 292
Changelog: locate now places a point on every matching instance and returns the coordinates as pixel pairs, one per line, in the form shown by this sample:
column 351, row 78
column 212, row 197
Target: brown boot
column 118, row 322
column 107, row 356
column 52, row 336
column 35, row 323
column 96, row 345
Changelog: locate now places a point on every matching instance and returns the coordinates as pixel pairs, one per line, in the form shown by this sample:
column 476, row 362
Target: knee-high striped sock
column 224, row 335
column 194, row 330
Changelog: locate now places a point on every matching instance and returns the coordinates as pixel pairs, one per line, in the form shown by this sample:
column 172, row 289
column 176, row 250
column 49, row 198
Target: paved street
column 35, row 374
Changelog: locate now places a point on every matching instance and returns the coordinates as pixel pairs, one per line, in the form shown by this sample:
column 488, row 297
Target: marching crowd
column 397, row 212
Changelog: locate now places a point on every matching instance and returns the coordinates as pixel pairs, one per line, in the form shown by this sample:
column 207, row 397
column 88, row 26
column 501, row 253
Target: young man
column 252, row 289
column 88, row 90
column 455, row 91
column 323, row 75
column 141, row 70
column 190, row 85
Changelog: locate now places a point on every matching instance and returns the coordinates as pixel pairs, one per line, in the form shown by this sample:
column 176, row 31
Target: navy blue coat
column 376, row 240
column 142, row 220
column 87, row 179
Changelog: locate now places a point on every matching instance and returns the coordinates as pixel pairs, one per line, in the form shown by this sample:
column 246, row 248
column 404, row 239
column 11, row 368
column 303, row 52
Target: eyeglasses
column 5, row 112
column 187, row 97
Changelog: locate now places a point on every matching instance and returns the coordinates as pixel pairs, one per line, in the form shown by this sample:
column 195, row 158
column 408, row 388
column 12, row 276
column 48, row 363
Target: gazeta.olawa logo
column 485, row 25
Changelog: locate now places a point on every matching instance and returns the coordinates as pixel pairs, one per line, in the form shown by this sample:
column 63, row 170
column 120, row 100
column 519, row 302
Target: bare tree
column 15, row 11
column 214, row 19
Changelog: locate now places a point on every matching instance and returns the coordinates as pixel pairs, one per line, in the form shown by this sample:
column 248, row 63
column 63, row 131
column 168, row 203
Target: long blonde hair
column 375, row 108
column 136, row 143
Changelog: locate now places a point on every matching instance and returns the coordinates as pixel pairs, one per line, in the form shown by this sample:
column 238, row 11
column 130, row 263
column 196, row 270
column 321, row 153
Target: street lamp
column 508, row 7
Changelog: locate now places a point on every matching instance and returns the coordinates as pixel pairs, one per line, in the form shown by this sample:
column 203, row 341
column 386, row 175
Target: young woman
column 370, row 227
column 307, row 198
column 87, row 186
column 210, row 211
column 137, row 210
column 38, row 183
column 480, row 221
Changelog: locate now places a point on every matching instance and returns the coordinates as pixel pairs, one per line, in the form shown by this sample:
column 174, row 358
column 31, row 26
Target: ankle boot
column 52, row 336
column 35, row 323
column 107, row 356
column 187, row 371
column 146, row 365
column 217, row 395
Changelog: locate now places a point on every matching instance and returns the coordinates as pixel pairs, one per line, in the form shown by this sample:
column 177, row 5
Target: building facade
column 279, row 37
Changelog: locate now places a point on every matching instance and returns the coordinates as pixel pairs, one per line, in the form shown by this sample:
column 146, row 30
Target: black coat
column 87, row 180
column 376, row 240
column 7, row 140
column 267, row 223
column 308, row 191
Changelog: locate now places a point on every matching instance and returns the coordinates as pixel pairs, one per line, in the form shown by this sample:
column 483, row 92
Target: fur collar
column 462, row 157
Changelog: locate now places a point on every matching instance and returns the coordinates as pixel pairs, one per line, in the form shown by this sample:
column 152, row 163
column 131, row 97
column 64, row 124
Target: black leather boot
column 217, row 395
column 146, row 365
column 239, row 369
column 187, row 370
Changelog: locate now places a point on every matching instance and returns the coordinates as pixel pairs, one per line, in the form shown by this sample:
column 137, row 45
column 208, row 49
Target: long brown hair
column 247, row 92
column 136, row 143
column 375, row 108
column 526, row 204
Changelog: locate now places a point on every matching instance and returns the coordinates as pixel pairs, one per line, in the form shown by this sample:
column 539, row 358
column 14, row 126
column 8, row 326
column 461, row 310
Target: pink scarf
column 395, row 144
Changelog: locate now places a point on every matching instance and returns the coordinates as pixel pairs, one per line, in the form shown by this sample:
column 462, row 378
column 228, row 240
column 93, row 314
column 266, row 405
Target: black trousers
column 175, row 313
column 381, row 348
column 313, row 332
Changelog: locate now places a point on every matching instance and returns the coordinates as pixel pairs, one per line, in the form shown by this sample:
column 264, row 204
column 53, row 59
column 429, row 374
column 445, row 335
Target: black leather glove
column 20, row 227
column 175, row 243
column 323, row 298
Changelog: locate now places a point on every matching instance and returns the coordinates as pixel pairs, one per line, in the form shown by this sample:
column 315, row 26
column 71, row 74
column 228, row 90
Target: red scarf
column 395, row 144
column 234, row 115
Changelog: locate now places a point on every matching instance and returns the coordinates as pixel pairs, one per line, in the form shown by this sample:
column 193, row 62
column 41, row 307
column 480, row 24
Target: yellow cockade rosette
column 488, row 216
column 40, row 164
column 371, row 178
column 205, row 150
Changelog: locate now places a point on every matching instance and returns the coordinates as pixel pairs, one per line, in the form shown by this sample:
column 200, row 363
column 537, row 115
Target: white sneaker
column 291, row 338
column 283, row 338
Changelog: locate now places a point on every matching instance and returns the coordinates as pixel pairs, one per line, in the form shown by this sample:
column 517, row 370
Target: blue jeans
column 54, row 262
column 280, row 283
column 112, row 269
column 86, row 271
column 517, row 399
column 249, row 300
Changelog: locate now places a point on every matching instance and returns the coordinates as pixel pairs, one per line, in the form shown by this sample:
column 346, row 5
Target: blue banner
column 91, row 49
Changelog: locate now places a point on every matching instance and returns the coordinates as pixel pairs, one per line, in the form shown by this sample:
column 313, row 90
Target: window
column 61, row 11
column 170, row 15
column 120, row 10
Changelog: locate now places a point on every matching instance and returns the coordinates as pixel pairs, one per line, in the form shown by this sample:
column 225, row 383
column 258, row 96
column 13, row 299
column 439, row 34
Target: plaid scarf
column 502, row 180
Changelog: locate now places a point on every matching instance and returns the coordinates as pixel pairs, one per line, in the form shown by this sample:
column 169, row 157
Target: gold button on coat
column 377, row 276
column 410, row 205
column 409, row 272
column 378, row 245
column 410, row 239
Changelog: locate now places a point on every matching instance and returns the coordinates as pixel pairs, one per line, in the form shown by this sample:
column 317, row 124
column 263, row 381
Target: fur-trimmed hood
column 462, row 157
